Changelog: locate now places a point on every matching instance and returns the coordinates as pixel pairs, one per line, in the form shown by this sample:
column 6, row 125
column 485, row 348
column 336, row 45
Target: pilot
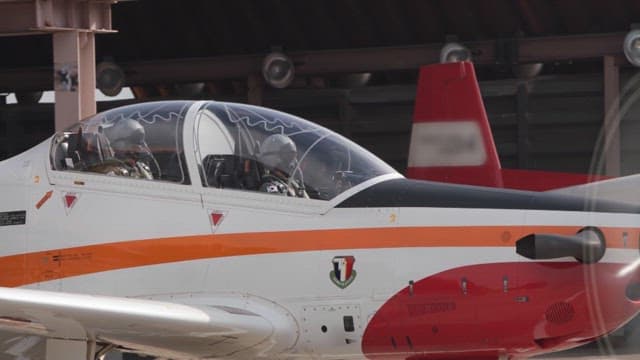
column 127, row 138
column 278, row 157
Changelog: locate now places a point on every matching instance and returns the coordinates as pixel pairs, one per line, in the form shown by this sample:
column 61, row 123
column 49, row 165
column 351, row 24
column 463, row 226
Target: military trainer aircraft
column 202, row 229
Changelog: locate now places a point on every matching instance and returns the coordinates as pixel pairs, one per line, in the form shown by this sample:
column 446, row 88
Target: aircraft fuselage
column 391, row 267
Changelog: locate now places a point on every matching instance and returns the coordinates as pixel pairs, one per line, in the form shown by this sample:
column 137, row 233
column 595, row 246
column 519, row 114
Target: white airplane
column 198, row 230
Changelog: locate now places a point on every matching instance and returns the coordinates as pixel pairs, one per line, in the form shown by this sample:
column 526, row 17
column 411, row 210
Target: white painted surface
column 446, row 143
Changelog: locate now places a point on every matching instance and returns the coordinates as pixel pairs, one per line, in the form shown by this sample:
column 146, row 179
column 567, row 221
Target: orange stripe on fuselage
column 41, row 266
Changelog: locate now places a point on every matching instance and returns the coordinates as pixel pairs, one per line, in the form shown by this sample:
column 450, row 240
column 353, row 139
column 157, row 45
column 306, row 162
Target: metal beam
column 255, row 89
column 28, row 17
column 543, row 49
column 375, row 59
column 73, row 24
column 75, row 77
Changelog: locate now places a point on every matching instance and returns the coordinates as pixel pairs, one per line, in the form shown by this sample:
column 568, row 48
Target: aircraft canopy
column 234, row 146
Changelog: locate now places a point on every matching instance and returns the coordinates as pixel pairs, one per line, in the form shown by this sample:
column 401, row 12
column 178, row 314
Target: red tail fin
column 451, row 139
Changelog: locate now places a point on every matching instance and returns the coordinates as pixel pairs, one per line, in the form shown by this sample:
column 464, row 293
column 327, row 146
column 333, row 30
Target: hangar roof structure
column 356, row 62
column 331, row 36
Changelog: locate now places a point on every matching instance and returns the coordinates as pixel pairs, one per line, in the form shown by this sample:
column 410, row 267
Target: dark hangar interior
column 541, row 66
column 549, row 70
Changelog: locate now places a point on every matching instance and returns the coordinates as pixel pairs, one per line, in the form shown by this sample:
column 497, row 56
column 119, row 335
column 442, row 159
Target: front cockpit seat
column 231, row 172
column 221, row 171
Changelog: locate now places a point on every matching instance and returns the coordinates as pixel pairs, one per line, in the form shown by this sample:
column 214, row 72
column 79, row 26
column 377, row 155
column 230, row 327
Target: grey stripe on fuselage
column 417, row 193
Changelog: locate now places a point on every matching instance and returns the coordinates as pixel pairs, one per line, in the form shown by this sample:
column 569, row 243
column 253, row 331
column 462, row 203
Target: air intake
column 560, row 313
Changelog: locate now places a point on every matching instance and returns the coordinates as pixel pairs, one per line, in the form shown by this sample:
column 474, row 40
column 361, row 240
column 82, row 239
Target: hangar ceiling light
column 278, row 70
column 631, row 47
column 109, row 78
column 454, row 52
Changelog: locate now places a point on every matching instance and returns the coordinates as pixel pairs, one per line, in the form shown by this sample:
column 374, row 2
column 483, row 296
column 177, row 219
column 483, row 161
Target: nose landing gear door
column 332, row 328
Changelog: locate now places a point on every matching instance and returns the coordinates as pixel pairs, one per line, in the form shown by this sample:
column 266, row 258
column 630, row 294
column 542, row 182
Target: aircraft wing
column 208, row 327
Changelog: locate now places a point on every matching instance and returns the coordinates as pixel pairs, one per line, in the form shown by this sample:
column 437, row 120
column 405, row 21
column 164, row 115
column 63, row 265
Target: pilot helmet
column 278, row 152
column 127, row 136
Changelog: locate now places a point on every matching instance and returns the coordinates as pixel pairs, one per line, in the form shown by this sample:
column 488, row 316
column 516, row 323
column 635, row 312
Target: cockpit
column 233, row 146
column 141, row 141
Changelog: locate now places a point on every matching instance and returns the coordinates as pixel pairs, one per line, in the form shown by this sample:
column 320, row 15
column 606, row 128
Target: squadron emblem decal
column 343, row 272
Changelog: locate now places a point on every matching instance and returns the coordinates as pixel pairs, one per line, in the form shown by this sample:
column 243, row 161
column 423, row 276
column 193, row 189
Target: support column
column 611, row 125
column 346, row 114
column 57, row 349
column 255, row 89
column 523, row 125
column 74, row 77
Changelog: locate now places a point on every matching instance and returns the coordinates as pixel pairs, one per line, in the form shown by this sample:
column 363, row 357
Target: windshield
column 142, row 141
column 251, row 148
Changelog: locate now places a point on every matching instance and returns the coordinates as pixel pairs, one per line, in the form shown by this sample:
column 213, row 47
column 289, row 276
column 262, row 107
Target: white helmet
column 278, row 152
column 125, row 135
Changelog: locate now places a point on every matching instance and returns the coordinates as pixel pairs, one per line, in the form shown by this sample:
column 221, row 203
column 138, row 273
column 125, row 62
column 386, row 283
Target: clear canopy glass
column 252, row 148
column 142, row 141
column 237, row 146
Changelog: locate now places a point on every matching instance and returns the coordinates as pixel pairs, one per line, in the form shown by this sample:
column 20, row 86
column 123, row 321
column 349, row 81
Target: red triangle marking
column 216, row 217
column 69, row 200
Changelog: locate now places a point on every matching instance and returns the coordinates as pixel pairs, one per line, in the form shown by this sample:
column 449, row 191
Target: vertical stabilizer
column 451, row 140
